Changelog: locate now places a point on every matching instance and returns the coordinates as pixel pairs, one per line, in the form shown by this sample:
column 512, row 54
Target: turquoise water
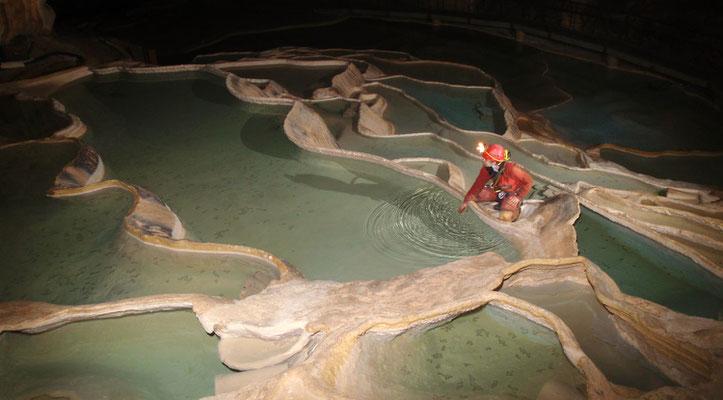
column 553, row 152
column 629, row 110
column 398, row 146
column 232, row 176
column 488, row 352
column 407, row 117
column 474, row 109
column 594, row 330
column 694, row 294
column 704, row 170
column 644, row 268
column 74, row 250
column 159, row 356
column 416, row 146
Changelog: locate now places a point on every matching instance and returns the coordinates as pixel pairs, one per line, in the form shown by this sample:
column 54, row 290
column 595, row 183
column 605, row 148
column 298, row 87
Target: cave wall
column 24, row 17
column 684, row 35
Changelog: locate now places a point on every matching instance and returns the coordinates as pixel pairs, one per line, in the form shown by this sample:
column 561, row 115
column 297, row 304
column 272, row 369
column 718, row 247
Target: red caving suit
column 514, row 184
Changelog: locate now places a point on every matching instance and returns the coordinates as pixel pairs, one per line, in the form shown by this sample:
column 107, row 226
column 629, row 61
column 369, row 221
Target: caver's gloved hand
column 513, row 201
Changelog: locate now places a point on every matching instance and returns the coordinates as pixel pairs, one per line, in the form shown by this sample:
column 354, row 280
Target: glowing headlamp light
column 481, row 147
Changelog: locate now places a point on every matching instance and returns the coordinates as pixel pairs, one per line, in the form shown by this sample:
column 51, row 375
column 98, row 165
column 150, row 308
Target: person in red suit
column 509, row 183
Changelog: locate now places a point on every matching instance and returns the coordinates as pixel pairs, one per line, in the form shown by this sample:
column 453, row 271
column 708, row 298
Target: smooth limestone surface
column 229, row 172
column 487, row 352
column 299, row 80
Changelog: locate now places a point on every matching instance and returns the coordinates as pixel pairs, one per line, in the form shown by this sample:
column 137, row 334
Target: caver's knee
column 508, row 216
column 510, row 208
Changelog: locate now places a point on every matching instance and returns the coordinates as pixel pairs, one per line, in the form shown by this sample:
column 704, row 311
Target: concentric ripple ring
column 424, row 224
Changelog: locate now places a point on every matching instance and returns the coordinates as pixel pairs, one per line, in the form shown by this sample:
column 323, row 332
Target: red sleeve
column 478, row 184
column 523, row 178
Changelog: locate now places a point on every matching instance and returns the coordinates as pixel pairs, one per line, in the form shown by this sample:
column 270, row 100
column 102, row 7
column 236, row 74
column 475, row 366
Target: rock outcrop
column 25, row 17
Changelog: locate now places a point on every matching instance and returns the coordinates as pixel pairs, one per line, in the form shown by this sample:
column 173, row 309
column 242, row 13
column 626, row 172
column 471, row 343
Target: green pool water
column 154, row 356
column 523, row 72
column 488, row 352
column 232, row 176
column 643, row 268
column 74, row 250
column 370, row 223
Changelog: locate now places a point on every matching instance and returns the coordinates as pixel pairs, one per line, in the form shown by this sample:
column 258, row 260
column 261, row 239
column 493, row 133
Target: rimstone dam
column 282, row 224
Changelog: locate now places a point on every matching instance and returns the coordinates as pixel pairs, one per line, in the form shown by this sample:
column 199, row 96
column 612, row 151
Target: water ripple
column 424, row 224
